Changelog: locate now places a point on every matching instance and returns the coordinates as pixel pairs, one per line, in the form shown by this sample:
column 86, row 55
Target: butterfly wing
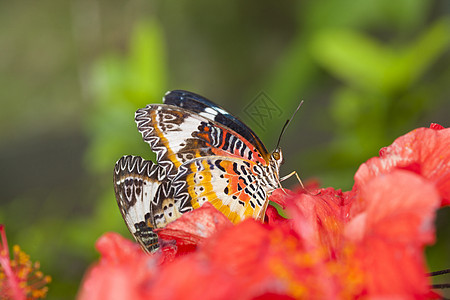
column 204, row 154
column 200, row 105
column 178, row 135
column 236, row 187
column 145, row 198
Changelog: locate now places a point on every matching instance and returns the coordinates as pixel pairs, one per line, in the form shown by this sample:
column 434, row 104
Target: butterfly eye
column 276, row 155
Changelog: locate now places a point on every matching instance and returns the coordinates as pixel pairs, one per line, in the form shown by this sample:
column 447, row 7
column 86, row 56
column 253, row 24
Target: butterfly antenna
column 278, row 144
column 287, row 124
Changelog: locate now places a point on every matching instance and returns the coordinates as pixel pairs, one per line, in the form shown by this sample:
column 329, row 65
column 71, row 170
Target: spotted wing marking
column 163, row 206
column 229, row 184
column 143, row 196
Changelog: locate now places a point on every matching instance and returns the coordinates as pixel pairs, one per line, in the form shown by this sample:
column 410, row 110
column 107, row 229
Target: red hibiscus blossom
column 425, row 151
column 366, row 243
column 19, row 277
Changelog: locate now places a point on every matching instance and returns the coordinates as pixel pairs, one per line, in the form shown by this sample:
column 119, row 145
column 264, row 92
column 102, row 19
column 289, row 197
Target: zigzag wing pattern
column 234, row 186
column 177, row 135
column 145, row 198
column 204, row 154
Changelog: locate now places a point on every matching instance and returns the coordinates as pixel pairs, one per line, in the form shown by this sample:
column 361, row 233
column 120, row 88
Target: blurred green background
column 72, row 74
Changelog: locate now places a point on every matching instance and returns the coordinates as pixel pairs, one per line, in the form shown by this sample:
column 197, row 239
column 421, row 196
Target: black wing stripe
column 198, row 104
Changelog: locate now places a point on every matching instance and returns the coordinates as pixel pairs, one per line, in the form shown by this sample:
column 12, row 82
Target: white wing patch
column 136, row 182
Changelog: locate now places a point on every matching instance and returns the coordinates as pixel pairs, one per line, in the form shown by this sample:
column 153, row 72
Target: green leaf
column 353, row 57
column 121, row 85
column 146, row 64
column 415, row 59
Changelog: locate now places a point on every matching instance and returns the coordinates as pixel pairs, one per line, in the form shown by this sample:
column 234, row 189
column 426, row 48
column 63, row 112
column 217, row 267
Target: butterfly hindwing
column 145, row 198
column 164, row 208
column 234, row 186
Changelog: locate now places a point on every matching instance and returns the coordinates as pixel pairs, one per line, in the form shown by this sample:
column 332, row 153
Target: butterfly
column 203, row 154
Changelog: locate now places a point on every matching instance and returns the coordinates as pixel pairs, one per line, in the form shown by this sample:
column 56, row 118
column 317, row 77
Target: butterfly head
column 277, row 156
column 276, row 160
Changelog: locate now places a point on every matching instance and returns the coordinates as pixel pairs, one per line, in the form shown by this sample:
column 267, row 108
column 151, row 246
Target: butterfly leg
column 290, row 175
column 299, row 180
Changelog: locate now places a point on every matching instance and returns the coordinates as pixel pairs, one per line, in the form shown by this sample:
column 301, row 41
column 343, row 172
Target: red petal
column 436, row 126
column 279, row 197
column 116, row 249
column 192, row 228
column 246, row 261
column 273, row 217
column 423, row 151
column 273, row 296
column 264, row 260
column 318, row 219
column 121, row 271
column 391, row 234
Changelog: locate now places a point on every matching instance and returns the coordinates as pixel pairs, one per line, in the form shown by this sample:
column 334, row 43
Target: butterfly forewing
column 200, row 105
column 177, row 135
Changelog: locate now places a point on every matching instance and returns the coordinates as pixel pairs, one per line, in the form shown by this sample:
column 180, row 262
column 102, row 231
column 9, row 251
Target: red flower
column 390, row 235
column 184, row 235
column 364, row 243
column 425, row 151
column 19, row 277
column 121, row 272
